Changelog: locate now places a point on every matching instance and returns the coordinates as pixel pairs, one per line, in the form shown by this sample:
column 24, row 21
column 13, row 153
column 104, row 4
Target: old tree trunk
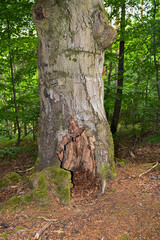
column 74, row 132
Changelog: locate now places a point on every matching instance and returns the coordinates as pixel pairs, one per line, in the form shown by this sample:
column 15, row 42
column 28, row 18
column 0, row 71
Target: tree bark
column 117, row 105
column 108, row 84
column 73, row 132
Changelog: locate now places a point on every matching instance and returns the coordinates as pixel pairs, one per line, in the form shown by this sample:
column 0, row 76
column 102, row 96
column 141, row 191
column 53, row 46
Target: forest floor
column 129, row 208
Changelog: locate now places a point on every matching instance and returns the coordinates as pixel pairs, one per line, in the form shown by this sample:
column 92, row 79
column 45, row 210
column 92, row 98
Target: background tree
column 117, row 105
column 139, row 106
column 19, row 102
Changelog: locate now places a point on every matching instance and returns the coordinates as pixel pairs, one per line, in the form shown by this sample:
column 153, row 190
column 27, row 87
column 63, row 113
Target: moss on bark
column 55, row 179
column 52, row 179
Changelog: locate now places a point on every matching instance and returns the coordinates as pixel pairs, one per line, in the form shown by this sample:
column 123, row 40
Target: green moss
column 12, row 203
column 3, row 236
column 40, row 196
column 124, row 237
column 104, row 13
column 42, row 184
column 28, row 198
column 74, row 59
column 14, row 177
column 62, row 179
column 121, row 164
column 9, row 179
column 36, row 165
column 103, row 171
column 121, row 160
column 107, row 169
column 18, row 230
column 38, row 180
column 147, row 164
column 55, row 179
column 150, row 165
column 112, row 169
column 4, row 183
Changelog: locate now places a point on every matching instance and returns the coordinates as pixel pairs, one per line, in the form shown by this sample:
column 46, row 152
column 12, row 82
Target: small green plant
column 13, row 151
column 154, row 138
column 10, row 151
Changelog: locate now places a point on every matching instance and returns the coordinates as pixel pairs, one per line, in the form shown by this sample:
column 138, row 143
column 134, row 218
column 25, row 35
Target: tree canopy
column 140, row 105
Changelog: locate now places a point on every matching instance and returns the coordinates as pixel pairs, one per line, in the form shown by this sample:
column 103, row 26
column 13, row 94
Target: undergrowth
column 13, row 151
column 7, row 148
column 153, row 138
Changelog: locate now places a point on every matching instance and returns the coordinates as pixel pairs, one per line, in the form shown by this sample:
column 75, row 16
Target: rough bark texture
column 73, row 132
column 118, row 100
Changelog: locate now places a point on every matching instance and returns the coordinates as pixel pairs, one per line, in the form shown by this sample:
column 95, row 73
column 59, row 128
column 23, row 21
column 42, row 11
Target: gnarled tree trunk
column 74, row 132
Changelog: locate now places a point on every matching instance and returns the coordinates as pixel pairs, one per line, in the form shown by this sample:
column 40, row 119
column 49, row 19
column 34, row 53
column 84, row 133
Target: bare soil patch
column 129, row 207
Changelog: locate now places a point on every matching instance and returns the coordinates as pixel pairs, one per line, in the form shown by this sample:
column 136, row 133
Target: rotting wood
column 77, row 150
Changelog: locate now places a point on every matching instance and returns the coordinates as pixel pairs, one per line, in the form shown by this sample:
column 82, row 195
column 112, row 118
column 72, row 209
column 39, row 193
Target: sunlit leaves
column 18, row 43
column 140, row 102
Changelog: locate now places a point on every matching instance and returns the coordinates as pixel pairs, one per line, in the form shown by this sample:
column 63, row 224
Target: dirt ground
column 129, row 208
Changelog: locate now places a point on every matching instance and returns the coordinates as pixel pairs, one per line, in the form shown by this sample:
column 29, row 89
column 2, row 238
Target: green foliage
column 13, row 151
column 140, row 108
column 140, row 99
column 154, row 138
column 124, row 237
column 18, row 56
column 10, row 151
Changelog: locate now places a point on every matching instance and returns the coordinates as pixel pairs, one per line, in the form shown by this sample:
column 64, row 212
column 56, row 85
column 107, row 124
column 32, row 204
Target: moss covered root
column 10, row 179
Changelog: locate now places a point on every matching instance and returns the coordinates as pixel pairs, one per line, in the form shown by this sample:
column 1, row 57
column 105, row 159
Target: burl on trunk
column 74, row 131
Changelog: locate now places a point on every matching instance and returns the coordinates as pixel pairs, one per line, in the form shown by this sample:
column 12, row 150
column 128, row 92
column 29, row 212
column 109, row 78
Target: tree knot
column 39, row 12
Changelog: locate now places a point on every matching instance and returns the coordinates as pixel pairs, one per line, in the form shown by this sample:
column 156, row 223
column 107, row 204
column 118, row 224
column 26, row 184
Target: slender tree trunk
column 157, row 71
column 145, row 105
column 74, row 132
column 34, row 131
column 117, row 105
column 9, row 124
column 13, row 85
column 25, row 129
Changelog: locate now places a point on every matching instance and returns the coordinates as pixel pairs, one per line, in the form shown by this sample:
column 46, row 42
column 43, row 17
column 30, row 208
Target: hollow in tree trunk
column 74, row 131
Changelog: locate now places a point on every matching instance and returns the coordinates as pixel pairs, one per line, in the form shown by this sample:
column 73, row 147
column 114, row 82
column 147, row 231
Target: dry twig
column 27, row 170
column 148, row 170
column 46, row 219
column 39, row 233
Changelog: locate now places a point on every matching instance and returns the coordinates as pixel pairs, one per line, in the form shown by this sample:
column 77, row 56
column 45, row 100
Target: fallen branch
column 148, row 170
column 46, row 219
column 39, row 233
column 27, row 170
